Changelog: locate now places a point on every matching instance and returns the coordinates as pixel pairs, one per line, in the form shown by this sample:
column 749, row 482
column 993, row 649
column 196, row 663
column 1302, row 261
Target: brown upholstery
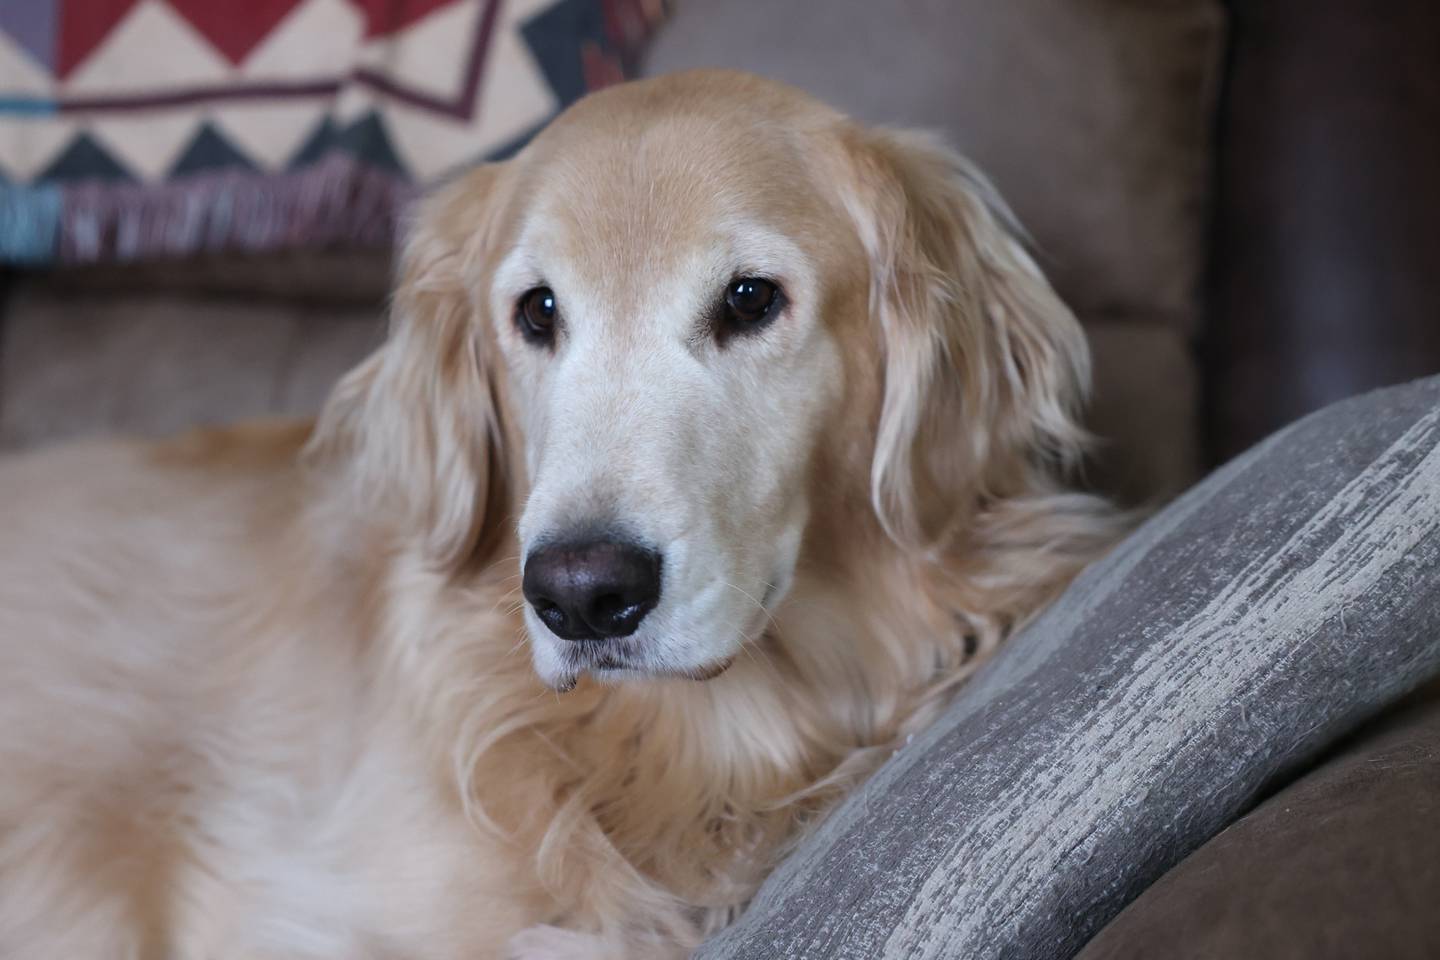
column 1092, row 116
column 340, row 277
column 1344, row 863
column 79, row 360
column 1327, row 243
column 1143, row 410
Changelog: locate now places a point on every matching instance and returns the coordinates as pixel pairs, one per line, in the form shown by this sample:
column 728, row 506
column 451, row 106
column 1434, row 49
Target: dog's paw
column 555, row 943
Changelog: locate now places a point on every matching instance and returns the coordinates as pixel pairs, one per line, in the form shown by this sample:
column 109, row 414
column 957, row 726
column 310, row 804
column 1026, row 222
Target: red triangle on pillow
column 235, row 27
column 83, row 27
column 384, row 17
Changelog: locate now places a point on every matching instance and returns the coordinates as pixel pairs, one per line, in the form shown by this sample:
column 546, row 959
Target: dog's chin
column 561, row 668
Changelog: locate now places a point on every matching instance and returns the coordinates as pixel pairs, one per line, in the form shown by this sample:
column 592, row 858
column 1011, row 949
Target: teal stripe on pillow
column 26, row 106
column 29, row 221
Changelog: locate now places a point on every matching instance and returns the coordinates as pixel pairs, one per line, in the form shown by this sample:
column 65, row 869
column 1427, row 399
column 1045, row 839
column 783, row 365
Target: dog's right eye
column 749, row 305
column 535, row 315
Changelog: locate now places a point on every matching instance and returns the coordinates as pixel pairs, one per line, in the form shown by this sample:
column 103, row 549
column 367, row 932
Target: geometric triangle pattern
column 209, row 151
column 77, row 37
column 320, row 142
column 85, row 160
column 367, row 138
column 553, row 32
column 234, row 28
column 269, row 134
column 119, row 115
column 32, row 28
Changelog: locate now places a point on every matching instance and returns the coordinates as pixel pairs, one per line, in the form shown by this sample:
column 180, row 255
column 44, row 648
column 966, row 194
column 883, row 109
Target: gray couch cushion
column 1263, row 615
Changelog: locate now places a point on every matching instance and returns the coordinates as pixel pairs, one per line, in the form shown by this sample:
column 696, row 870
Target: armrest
column 1325, row 269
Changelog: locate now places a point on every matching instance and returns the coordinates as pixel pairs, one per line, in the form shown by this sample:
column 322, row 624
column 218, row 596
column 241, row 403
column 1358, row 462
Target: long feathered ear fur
column 418, row 424
column 985, row 367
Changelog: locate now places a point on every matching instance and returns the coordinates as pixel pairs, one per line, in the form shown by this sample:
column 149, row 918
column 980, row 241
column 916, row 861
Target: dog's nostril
column 621, row 614
column 553, row 616
column 610, row 605
column 593, row 590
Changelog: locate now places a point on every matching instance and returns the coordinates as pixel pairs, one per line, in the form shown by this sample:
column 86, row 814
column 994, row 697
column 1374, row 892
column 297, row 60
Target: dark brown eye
column 535, row 315
column 750, row 303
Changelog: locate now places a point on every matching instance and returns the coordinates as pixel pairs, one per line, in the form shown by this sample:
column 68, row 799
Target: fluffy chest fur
column 288, row 741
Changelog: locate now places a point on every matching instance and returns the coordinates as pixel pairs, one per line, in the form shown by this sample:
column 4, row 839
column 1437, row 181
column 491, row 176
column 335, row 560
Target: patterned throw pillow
column 144, row 128
column 1244, row 629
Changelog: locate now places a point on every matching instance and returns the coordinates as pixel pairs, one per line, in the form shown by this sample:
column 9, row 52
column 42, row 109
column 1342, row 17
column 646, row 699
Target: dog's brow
column 519, row 271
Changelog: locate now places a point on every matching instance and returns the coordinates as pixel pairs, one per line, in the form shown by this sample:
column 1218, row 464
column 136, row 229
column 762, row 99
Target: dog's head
column 696, row 318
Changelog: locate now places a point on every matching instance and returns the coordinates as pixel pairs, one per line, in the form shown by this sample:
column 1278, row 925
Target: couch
column 1238, row 199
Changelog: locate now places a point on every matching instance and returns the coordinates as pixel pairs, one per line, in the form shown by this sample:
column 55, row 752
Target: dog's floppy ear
column 418, row 424
column 985, row 368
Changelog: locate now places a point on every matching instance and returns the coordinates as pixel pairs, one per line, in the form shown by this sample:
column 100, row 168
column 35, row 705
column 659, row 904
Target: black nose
column 594, row 590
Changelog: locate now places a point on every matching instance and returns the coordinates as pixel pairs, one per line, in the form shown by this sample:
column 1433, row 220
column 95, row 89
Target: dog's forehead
column 651, row 189
column 653, row 199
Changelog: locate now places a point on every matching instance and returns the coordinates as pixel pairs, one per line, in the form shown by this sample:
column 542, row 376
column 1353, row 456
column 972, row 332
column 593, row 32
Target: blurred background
column 1239, row 198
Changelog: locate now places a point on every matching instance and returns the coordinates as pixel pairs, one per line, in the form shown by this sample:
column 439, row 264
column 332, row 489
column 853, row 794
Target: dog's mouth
column 644, row 656
column 606, row 661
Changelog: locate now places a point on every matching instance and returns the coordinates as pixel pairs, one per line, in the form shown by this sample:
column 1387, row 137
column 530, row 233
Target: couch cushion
column 1144, row 411
column 340, row 276
column 76, row 364
column 1344, row 863
column 1093, row 117
column 1229, row 641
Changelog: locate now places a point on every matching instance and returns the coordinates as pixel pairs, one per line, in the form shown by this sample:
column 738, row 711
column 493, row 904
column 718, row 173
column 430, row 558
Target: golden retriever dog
column 716, row 440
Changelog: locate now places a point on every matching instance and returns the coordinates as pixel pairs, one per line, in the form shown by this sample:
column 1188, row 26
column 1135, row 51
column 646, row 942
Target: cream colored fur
column 271, row 692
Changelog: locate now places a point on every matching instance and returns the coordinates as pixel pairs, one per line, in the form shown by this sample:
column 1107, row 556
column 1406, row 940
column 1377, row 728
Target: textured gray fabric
column 1262, row 615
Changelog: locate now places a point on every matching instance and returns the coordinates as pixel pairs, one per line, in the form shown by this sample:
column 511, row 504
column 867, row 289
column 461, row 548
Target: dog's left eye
column 750, row 303
column 535, row 315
